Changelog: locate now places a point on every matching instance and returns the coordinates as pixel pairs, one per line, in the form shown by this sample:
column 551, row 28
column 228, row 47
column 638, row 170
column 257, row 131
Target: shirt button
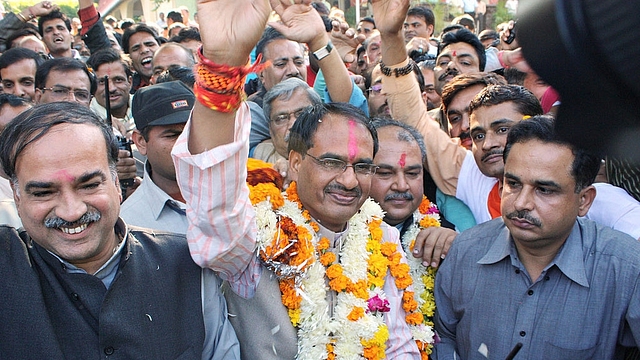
column 517, row 271
column 530, row 292
column 108, row 350
column 547, row 278
column 75, row 296
column 522, row 333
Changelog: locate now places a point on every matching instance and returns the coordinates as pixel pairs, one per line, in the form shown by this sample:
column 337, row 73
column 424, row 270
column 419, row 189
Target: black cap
column 162, row 104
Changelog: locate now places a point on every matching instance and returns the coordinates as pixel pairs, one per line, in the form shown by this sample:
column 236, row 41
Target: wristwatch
column 323, row 52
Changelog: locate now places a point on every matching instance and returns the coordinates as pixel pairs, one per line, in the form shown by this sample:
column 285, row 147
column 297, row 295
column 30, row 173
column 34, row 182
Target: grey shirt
column 584, row 305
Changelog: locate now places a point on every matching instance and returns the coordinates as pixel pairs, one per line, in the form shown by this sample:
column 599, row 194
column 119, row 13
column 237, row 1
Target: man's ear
column 587, row 195
column 295, row 161
column 38, row 96
column 140, row 142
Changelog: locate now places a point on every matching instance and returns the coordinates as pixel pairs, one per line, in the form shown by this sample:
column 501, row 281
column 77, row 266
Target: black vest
column 153, row 309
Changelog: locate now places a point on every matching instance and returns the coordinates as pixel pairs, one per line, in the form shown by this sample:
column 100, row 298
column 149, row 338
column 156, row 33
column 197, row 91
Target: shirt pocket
column 552, row 351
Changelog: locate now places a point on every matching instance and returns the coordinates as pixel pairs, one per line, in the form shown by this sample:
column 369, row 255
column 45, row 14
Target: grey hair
column 406, row 133
column 284, row 90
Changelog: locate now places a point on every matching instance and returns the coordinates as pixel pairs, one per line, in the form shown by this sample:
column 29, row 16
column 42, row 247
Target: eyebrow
column 544, row 183
column 494, row 124
column 339, row 157
column 48, row 184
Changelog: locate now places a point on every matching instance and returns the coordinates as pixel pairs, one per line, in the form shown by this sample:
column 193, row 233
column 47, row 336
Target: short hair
column 270, row 34
column 406, row 133
column 465, row 20
column 26, row 30
column 465, row 81
column 14, row 55
column 369, row 20
column 36, row 122
column 134, row 30
column 302, row 131
column 63, row 64
column 466, row 36
column 188, row 53
column 284, row 90
column 175, row 16
column 585, row 164
column 181, row 73
column 185, row 34
column 525, row 102
column 514, row 76
column 108, row 56
column 56, row 14
column 13, row 100
column 423, row 12
column 126, row 23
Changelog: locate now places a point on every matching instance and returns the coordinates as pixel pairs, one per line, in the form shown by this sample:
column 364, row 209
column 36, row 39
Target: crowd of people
column 274, row 184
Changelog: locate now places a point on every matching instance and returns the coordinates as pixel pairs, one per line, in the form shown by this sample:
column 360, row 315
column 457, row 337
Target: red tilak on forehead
column 353, row 142
column 64, row 175
column 454, row 53
column 403, row 160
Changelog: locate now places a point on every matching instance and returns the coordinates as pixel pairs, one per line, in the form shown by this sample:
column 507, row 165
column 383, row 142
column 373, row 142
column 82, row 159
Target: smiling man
column 108, row 62
column 86, row 280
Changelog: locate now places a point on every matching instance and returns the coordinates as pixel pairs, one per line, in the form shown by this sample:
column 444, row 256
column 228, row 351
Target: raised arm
column 302, row 23
column 444, row 155
column 210, row 155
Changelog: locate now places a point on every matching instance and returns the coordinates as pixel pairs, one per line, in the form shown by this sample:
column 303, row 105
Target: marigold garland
column 290, row 246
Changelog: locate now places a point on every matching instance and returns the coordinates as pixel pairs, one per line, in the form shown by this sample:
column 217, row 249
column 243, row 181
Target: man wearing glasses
column 64, row 79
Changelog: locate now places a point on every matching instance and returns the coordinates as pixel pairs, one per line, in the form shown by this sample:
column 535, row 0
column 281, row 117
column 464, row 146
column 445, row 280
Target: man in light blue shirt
column 160, row 112
column 559, row 286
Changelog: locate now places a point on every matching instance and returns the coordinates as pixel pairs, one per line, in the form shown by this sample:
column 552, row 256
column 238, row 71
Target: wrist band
column 24, row 19
column 405, row 70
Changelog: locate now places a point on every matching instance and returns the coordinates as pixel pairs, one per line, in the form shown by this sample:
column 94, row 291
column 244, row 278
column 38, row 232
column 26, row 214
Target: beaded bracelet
column 221, row 87
column 405, row 70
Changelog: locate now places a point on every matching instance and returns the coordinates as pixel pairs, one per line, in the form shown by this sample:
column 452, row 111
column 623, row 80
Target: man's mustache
column 87, row 218
column 399, row 196
column 452, row 72
column 524, row 215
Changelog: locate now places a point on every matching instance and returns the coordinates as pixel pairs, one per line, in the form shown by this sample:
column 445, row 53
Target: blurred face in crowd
column 416, row 26
column 284, row 113
column 454, row 59
column 287, row 60
column 56, row 36
column 458, row 114
column 119, row 87
column 397, row 184
column 142, row 45
column 19, row 78
column 73, row 86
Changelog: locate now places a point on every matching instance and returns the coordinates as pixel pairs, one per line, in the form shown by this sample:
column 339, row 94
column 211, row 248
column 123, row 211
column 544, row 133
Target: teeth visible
column 146, row 61
column 74, row 230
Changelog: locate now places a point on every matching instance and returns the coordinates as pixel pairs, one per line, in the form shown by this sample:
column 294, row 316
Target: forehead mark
column 64, row 175
column 454, row 53
column 353, row 142
column 403, row 160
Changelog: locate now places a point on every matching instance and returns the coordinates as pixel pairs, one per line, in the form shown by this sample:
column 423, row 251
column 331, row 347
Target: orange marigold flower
column 395, row 258
column 425, row 204
column 388, row 248
column 327, row 258
column 403, row 282
column 377, row 265
column 314, row 225
column 412, row 245
column 358, row 289
column 339, row 284
column 375, row 230
column 334, row 271
column 414, row 318
column 373, row 352
column 323, row 244
column 429, row 222
column 292, row 194
column 399, row 270
column 356, row 314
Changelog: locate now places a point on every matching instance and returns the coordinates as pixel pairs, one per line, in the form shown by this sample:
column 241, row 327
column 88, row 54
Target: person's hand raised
column 300, row 21
column 390, row 15
column 345, row 40
column 231, row 28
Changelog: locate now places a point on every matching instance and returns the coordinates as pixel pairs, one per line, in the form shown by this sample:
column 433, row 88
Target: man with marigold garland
column 322, row 248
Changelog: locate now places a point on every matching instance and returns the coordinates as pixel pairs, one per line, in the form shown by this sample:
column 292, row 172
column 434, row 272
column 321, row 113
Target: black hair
column 26, row 30
column 466, row 36
column 465, row 81
column 303, row 129
column 134, row 30
column 63, row 64
column 14, row 55
column 107, row 56
column 406, row 133
column 369, row 20
column 585, row 164
column 185, row 34
column 424, row 12
column 270, row 34
column 525, row 102
column 56, row 14
column 175, row 16
column 36, row 122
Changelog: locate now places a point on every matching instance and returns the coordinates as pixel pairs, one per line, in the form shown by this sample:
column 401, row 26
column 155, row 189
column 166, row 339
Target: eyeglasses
column 62, row 92
column 376, row 89
column 282, row 119
column 338, row 166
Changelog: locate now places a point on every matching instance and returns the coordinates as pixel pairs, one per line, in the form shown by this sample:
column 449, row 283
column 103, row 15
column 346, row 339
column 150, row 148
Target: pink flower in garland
column 378, row 304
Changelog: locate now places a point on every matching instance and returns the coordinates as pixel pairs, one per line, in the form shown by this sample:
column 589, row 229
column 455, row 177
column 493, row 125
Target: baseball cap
column 162, row 104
